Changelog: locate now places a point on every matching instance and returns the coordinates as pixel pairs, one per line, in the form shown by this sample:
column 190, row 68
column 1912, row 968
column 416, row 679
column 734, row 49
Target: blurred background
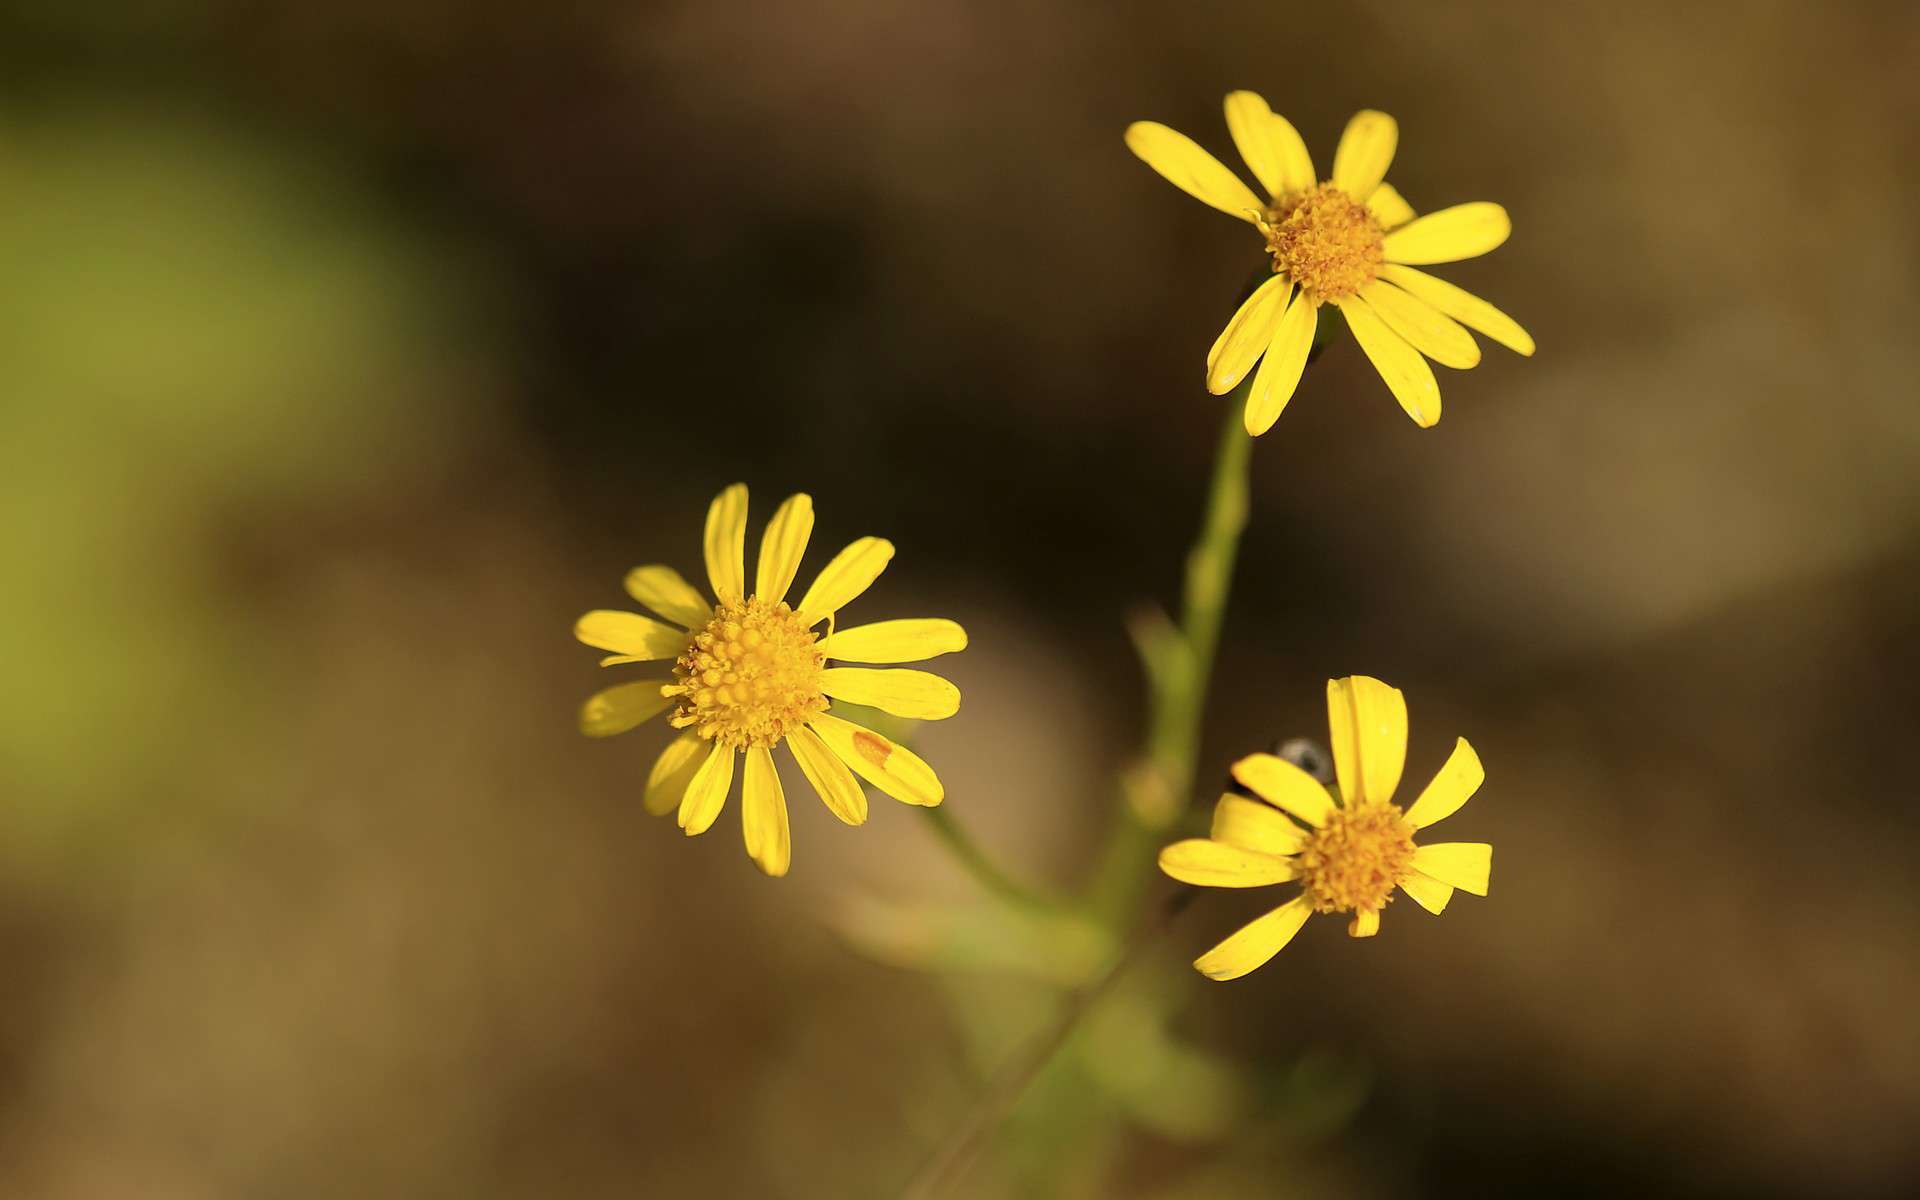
column 349, row 351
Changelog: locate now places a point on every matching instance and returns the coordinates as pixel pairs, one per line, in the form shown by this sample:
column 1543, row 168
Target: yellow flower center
column 750, row 677
column 1325, row 241
column 1352, row 863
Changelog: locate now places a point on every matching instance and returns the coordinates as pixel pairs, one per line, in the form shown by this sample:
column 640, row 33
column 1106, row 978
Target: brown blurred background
column 349, row 351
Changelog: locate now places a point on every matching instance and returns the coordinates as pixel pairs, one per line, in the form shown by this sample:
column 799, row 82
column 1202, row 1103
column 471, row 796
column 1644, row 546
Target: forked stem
column 1177, row 697
column 1177, row 693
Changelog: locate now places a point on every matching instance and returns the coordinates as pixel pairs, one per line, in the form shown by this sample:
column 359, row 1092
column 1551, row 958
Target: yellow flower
column 1350, row 241
column 750, row 672
column 1348, row 856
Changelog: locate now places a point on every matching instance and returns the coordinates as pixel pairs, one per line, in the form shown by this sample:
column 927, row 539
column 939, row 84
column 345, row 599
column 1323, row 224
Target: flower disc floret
column 1326, row 241
column 1354, row 861
column 750, row 677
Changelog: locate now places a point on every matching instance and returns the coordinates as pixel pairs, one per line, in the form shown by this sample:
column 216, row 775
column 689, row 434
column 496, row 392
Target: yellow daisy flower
column 1347, row 854
column 750, row 672
column 1350, row 241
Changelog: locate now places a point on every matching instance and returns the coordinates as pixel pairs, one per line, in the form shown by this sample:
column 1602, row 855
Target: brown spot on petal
column 872, row 747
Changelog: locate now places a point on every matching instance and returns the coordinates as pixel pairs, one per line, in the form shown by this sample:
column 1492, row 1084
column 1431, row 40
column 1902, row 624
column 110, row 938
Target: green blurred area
column 347, row 353
column 195, row 324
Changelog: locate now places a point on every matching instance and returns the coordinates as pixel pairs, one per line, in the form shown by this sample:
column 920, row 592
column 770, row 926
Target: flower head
column 1348, row 852
column 751, row 672
column 1350, row 241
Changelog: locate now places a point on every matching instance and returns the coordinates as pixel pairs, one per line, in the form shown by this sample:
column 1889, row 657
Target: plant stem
column 943, row 1170
column 1177, row 697
column 1175, row 748
column 981, row 867
column 1177, row 704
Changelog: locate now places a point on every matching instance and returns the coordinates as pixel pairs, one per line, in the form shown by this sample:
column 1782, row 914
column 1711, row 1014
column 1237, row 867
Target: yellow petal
column 894, row 769
column 1186, row 166
column 1428, row 330
column 1247, row 335
column 1367, row 723
column 763, row 814
column 1365, row 152
column 901, row 641
column 1458, row 779
column 899, row 691
column 1252, row 825
column 673, row 771
column 1270, row 144
column 1255, row 942
column 618, row 709
column 1389, row 207
column 1365, row 923
column 837, row 787
column 1463, row 231
column 707, row 791
column 726, row 543
column 1207, row 863
column 1465, row 865
column 782, row 547
column 666, row 591
column 851, row 572
column 1429, row 893
column 1280, row 369
column 1463, row 306
column 629, row 635
column 1280, row 783
column 1296, row 165
column 1406, row 374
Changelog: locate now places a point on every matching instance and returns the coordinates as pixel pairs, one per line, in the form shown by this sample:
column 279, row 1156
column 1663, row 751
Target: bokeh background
column 348, row 351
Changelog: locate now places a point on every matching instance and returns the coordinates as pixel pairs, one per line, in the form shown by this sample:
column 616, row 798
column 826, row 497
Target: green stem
column 1181, row 666
column 944, row 1170
column 1177, row 696
column 1209, row 580
column 979, row 865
